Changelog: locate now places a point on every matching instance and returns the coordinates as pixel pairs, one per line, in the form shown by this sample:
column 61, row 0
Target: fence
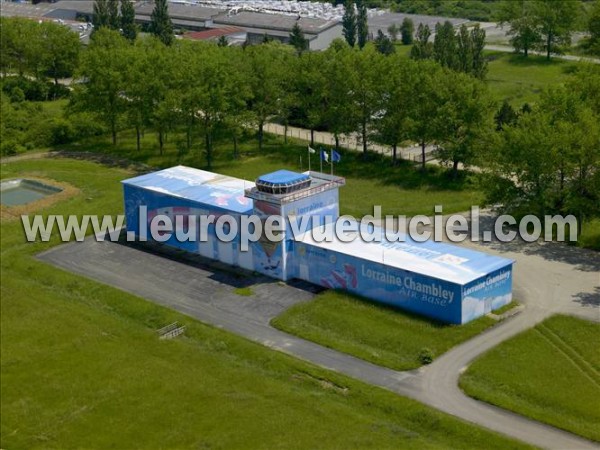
column 170, row 331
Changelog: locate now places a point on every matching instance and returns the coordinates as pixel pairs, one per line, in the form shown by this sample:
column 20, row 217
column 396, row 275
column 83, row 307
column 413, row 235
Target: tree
column 60, row 50
column 349, row 23
column 383, row 44
column 222, row 41
column 152, row 72
column 556, row 22
column 160, row 24
column 308, row 85
column 393, row 30
column 266, row 65
column 593, row 25
column 297, row 39
column 423, row 118
column 19, row 52
column 444, row 45
column 101, row 15
column 478, row 60
column 238, row 116
column 391, row 125
column 523, row 24
column 362, row 26
column 104, row 66
column 523, row 166
column 466, row 120
column 128, row 26
column 464, row 48
column 216, row 89
column 407, row 29
column 422, row 49
column 338, row 114
column 114, row 20
column 366, row 90
column 506, row 115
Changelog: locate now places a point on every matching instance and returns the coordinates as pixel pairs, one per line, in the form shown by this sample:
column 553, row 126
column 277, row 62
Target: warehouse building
column 441, row 281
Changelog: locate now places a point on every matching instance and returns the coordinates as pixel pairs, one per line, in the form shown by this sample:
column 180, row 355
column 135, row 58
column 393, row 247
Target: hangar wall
column 441, row 281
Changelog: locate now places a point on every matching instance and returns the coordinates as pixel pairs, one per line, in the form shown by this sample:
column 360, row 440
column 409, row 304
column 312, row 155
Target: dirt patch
column 105, row 160
column 10, row 213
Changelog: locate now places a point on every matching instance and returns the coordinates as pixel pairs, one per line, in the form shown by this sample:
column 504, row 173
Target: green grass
column 244, row 291
column 403, row 189
column 516, row 78
column 520, row 79
column 53, row 108
column 506, row 308
column 590, row 235
column 376, row 333
column 550, row 373
column 82, row 367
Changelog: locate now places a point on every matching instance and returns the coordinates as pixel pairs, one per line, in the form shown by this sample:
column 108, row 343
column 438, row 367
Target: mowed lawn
column 400, row 190
column 550, row 373
column 82, row 367
column 376, row 333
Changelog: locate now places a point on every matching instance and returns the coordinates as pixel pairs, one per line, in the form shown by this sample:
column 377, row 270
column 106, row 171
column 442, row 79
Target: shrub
column 62, row 132
column 34, row 90
column 8, row 148
column 425, row 356
column 17, row 95
column 86, row 125
column 57, row 91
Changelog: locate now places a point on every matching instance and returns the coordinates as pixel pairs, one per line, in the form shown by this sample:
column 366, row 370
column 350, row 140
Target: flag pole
column 308, row 154
column 321, row 157
column 331, row 159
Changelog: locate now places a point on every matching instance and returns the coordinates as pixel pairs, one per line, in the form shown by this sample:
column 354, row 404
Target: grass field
column 516, row 78
column 520, row 80
column 382, row 335
column 81, row 365
column 553, row 375
column 403, row 189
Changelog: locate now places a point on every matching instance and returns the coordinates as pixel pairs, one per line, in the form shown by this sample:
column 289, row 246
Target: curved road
column 548, row 279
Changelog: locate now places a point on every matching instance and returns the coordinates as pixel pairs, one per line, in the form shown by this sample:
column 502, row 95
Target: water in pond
column 21, row 192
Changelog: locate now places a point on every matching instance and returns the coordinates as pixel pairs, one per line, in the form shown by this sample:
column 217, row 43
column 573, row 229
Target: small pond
column 23, row 191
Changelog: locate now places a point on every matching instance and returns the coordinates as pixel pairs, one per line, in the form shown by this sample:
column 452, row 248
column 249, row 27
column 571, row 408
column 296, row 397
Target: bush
column 425, row 356
column 57, row 91
column 34, row 90
column 17, row 95
column 86, row 125
column 9, row 148
column 62, row 132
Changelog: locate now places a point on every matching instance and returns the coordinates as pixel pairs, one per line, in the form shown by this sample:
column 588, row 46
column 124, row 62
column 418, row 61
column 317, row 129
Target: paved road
column 351, row 142
column 509, row 49
column 199, row 289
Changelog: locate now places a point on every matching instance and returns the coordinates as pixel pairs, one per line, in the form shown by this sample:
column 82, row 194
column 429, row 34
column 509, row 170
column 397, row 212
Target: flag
column 324, row 156
column 311, row 150
column 336, row 157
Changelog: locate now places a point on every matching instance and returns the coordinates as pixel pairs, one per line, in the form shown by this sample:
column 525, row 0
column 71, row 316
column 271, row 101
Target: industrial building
column 441, row 281
column 320, row 22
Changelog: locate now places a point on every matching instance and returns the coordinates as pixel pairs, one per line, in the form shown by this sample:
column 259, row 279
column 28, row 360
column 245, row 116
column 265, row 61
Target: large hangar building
column 442, row 281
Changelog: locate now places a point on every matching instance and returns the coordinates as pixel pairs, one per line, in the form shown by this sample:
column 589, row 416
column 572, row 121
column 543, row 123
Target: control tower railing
column 320, row 182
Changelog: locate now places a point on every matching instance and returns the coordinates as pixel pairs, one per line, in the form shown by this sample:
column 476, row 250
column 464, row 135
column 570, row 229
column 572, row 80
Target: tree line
column 545, row 25
column 200, row 87
column 460, row 50
column 543, row 158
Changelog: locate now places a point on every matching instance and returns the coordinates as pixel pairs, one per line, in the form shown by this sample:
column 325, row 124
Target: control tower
column 303, row 201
